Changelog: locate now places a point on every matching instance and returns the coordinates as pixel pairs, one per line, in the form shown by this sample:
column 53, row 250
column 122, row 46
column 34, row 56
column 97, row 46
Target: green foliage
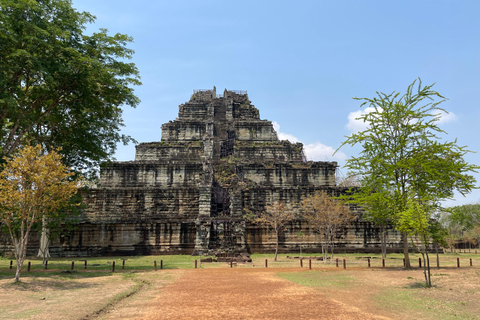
column 60, row 87
column 402, row 151
column 403, row 154
column 438, row 233
column 414, row 220
column 463, row 223
column 468, row 215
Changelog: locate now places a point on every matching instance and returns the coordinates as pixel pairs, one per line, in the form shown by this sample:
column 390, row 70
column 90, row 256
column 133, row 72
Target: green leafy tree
column 379, row 210
column 415, row 222
column 60, row 87
column 438, row 236
column 33, row 185
column 465, row 221
column 402, row 153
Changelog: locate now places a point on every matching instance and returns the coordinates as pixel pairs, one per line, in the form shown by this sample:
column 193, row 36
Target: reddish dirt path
column 245, row 294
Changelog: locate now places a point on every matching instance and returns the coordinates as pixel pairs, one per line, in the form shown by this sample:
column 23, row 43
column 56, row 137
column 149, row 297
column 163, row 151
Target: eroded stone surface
column 188, row 193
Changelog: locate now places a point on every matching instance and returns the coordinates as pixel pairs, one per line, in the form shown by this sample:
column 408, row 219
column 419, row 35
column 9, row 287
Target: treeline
column 463, row 226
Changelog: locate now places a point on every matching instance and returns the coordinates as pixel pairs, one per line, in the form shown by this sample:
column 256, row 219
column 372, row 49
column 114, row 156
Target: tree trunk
column 19, row 269
column 424, row 268
column 333, row 246
column 324, row 249
column 438, row 258
column 44, row 251
column 383, row 240
column 20, row 253
column 276, row 247
column 405, row 250
column 429, row 283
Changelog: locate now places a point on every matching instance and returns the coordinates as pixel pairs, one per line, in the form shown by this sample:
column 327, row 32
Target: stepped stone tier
column 189, row 192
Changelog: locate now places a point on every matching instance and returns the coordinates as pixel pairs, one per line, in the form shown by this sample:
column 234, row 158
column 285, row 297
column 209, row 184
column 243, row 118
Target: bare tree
column 325, row 215
column 348, row 181
column 275, row 216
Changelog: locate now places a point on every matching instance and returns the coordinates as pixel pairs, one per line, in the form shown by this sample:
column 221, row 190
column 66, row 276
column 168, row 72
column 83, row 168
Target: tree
column 275, row 216
column 402, row 153
column 414, row 221
column 438, row 236
column 33, row 185
column 379, row 210
column 467, row 218
column 325, row 215
column 418, row 223
column 60, row 87
column 348, row 181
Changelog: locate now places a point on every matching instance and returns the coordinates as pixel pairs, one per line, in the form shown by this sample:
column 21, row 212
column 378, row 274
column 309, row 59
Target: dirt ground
column 245, row 294
column 250, row 293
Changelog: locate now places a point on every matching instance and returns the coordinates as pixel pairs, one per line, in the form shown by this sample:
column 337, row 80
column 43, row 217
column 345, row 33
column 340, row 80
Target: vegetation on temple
column 404, row 160
column 60, row 87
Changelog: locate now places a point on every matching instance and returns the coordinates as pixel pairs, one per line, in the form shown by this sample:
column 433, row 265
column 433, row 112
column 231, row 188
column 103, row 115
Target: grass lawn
column 391, row 291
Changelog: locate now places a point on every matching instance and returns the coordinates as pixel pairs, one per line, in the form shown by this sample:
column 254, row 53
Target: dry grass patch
column 400, row 294
column 68, row 296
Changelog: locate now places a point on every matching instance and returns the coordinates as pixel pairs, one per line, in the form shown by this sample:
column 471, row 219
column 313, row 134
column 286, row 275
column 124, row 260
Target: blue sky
column 300, row 61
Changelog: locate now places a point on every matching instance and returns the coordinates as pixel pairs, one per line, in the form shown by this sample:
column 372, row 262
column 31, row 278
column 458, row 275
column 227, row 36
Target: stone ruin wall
column 188, row 193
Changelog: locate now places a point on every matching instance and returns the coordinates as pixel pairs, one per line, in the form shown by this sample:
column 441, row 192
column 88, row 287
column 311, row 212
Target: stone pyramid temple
column 189, row 192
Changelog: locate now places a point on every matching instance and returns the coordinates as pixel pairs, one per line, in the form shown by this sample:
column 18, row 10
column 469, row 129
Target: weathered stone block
column 188, row 193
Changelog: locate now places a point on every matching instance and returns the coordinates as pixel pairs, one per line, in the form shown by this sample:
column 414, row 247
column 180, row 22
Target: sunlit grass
column 291, row 260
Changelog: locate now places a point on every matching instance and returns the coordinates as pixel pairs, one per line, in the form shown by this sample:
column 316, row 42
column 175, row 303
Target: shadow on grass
column 418, row 285
column 41, row 280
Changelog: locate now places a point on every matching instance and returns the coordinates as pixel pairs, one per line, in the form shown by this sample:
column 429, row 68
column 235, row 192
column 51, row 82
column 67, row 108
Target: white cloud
column 354, row 124
column 446, row 117
column 319, row 152
column 282, row 135
column 316, row 151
